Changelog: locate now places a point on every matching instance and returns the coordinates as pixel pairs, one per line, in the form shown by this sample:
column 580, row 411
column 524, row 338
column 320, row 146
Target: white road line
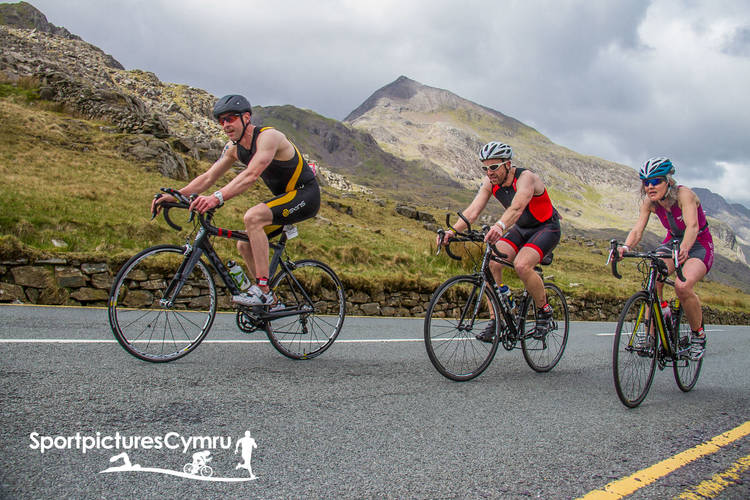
column 612, row 334
column 218, row 341
column 240, row 341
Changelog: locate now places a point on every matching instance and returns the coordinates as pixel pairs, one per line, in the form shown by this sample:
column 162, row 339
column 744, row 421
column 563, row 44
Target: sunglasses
column 653, row 182
column 228, row 118
column 494, row 167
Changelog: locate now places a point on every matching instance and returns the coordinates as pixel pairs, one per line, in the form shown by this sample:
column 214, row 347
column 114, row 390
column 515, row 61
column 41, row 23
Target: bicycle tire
column 309, row 334
column 686, row 371
column 141, row 325
column 543, row 354
column 451, row 345
column 633, row 369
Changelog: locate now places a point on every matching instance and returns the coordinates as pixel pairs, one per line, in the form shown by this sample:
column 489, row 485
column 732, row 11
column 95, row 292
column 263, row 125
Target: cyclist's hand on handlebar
column 493, row 235
column 158, row 200
column 203, row 204
column 443, row 239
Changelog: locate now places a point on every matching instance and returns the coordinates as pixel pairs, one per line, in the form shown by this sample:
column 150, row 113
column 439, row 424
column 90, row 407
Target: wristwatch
column 219, row 197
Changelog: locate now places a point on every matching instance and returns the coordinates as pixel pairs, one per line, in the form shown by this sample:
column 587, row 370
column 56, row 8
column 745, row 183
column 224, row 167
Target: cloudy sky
column 621, row 79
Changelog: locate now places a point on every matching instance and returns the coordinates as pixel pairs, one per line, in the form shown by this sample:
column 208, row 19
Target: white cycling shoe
column 254, row 296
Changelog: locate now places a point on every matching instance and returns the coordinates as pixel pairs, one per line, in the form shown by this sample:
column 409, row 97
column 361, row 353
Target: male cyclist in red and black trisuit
column 528, row 230
column 269, row 155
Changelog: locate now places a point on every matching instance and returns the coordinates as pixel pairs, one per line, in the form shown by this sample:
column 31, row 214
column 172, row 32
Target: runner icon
column 247, row 444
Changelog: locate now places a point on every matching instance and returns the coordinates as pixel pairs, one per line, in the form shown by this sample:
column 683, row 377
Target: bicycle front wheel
column 454, row 317
column 634, row 355
column 145, row 326
column 312, row 290
column 542, row 354
column 686, row 371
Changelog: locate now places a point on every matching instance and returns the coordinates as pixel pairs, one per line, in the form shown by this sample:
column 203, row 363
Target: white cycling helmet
column 496, row 150
column 656, row 167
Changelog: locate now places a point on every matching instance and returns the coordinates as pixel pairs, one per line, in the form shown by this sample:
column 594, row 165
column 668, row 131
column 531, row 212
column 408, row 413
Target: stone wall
column 69, row 281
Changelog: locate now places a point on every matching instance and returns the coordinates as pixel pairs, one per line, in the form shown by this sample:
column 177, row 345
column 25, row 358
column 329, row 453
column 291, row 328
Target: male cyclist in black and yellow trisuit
column 267, row 154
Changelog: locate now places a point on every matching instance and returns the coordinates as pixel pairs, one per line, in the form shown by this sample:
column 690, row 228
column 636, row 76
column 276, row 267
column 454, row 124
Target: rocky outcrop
column 82, row 78
column 25, row 15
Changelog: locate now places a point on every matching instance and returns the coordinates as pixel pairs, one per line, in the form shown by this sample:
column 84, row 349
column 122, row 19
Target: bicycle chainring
column 247, row 322
column 508, row 343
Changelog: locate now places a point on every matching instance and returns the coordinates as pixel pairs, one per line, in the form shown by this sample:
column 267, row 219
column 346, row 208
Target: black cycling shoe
column 488, row 334
column 543, row 322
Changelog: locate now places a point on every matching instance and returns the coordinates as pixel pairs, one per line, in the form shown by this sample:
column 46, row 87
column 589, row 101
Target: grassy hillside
column 64, row 180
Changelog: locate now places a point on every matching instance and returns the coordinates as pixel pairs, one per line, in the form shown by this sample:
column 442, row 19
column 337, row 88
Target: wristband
column 501, row 224
column 627, row 248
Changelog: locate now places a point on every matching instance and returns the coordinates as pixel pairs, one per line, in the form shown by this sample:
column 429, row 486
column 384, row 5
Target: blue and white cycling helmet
column 495, row 150
column 656, row 167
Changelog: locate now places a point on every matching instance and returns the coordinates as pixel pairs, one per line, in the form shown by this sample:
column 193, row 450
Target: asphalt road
column 369, row 418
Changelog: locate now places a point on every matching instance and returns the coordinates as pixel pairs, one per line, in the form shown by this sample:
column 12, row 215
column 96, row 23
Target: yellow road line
column 627, row 485
column 710, row 488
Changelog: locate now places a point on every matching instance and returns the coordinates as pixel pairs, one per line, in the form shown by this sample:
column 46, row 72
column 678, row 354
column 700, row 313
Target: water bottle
column 238, row 275
column 505, row 295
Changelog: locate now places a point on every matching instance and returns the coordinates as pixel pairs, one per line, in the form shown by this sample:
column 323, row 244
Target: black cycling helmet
column 231, row 103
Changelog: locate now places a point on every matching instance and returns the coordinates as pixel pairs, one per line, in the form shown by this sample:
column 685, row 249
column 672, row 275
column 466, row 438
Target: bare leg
column 246, row 251
column 496, row 268
column 524, row 263
column 255, row 219
column 694, row 270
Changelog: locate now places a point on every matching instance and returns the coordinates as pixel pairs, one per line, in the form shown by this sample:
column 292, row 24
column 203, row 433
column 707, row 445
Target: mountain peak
column 24, row 15
column 402, row 88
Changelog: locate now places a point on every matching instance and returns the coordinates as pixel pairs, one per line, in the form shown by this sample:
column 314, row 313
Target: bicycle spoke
column 633, row 361
column 142, row 325
column 455, row 315
column 303, row 288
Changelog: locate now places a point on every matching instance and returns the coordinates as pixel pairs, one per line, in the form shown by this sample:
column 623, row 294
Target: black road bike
column 463, row 306
column 163, row 300
column 644, row 338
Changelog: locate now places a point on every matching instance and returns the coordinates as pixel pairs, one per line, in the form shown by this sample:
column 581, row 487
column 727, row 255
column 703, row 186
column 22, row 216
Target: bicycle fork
column 472, row 315
column 192, row 256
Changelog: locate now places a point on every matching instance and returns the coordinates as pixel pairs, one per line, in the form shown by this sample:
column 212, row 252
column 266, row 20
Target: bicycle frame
column 514, row 323
column 657, row 273
column 202, row 246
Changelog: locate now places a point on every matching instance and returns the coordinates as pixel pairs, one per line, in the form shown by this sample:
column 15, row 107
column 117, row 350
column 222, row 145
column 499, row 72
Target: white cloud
column 620, row 80
column 730, row 179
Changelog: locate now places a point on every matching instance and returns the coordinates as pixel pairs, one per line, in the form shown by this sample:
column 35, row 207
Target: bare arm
column 527, row 183
column 475, row 208
column 636, row 233
column 526, row 186
column 268, row 145
column 206, row 179
column 210, row 176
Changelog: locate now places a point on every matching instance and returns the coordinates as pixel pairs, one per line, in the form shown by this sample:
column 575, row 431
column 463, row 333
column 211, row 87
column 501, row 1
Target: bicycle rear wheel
column 455, row 315
column 314, row 290
column 543, row 354
column 633, row 367
column 148, row 329
column 686, row 371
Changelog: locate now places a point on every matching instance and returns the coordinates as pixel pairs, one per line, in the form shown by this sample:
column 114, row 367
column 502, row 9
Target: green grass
column 65, row 180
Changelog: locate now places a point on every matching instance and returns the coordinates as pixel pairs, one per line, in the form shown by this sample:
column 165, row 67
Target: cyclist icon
column 247, row 444
column 199, row 464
